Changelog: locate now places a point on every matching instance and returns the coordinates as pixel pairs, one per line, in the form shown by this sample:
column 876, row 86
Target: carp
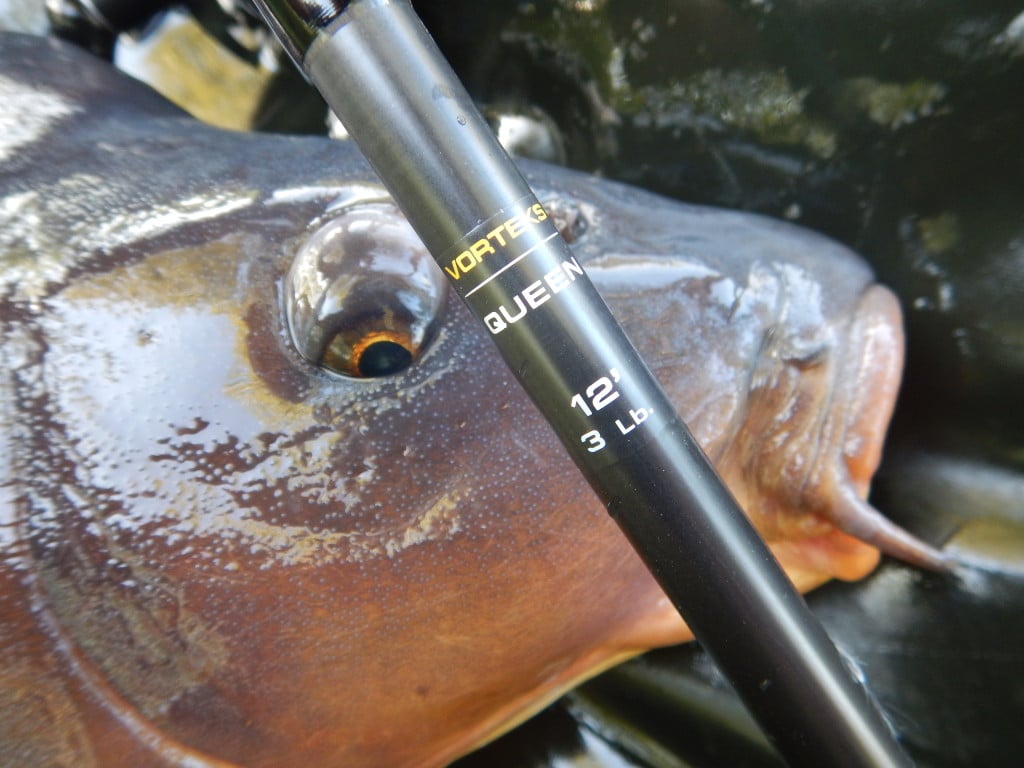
column 214, row 551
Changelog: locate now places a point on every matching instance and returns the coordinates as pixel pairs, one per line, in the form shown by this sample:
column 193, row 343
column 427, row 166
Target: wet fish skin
column 213, row 553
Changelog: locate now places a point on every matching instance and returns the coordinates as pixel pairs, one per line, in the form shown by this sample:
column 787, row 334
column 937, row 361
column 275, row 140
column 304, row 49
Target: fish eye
column 363, row 297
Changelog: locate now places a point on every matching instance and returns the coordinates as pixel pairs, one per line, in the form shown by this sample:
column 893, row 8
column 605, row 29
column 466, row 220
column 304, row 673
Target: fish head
column 241, row 533
column 276, row 497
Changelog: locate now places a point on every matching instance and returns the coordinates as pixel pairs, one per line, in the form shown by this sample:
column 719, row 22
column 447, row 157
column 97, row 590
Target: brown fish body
column 214, row 553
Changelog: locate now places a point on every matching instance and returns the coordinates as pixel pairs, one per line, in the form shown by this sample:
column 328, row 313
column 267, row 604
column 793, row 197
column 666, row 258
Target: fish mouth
column 810, row 442
column 873, row 380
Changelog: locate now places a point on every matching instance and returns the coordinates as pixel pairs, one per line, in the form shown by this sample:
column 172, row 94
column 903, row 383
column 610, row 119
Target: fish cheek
column 144, row 424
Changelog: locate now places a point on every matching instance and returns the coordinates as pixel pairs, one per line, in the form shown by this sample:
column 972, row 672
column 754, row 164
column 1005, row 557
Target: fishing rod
column 379, row 70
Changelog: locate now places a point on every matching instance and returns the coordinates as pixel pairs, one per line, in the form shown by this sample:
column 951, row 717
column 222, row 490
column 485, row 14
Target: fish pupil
column 382, row 358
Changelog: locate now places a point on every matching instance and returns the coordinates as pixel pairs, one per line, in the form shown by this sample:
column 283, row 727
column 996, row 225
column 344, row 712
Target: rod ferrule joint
column 296, row 23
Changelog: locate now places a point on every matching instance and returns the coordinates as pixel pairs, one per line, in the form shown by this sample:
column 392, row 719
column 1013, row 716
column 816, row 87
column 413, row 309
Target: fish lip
column 813, row 510
column 872, row 378
column 875, row 372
